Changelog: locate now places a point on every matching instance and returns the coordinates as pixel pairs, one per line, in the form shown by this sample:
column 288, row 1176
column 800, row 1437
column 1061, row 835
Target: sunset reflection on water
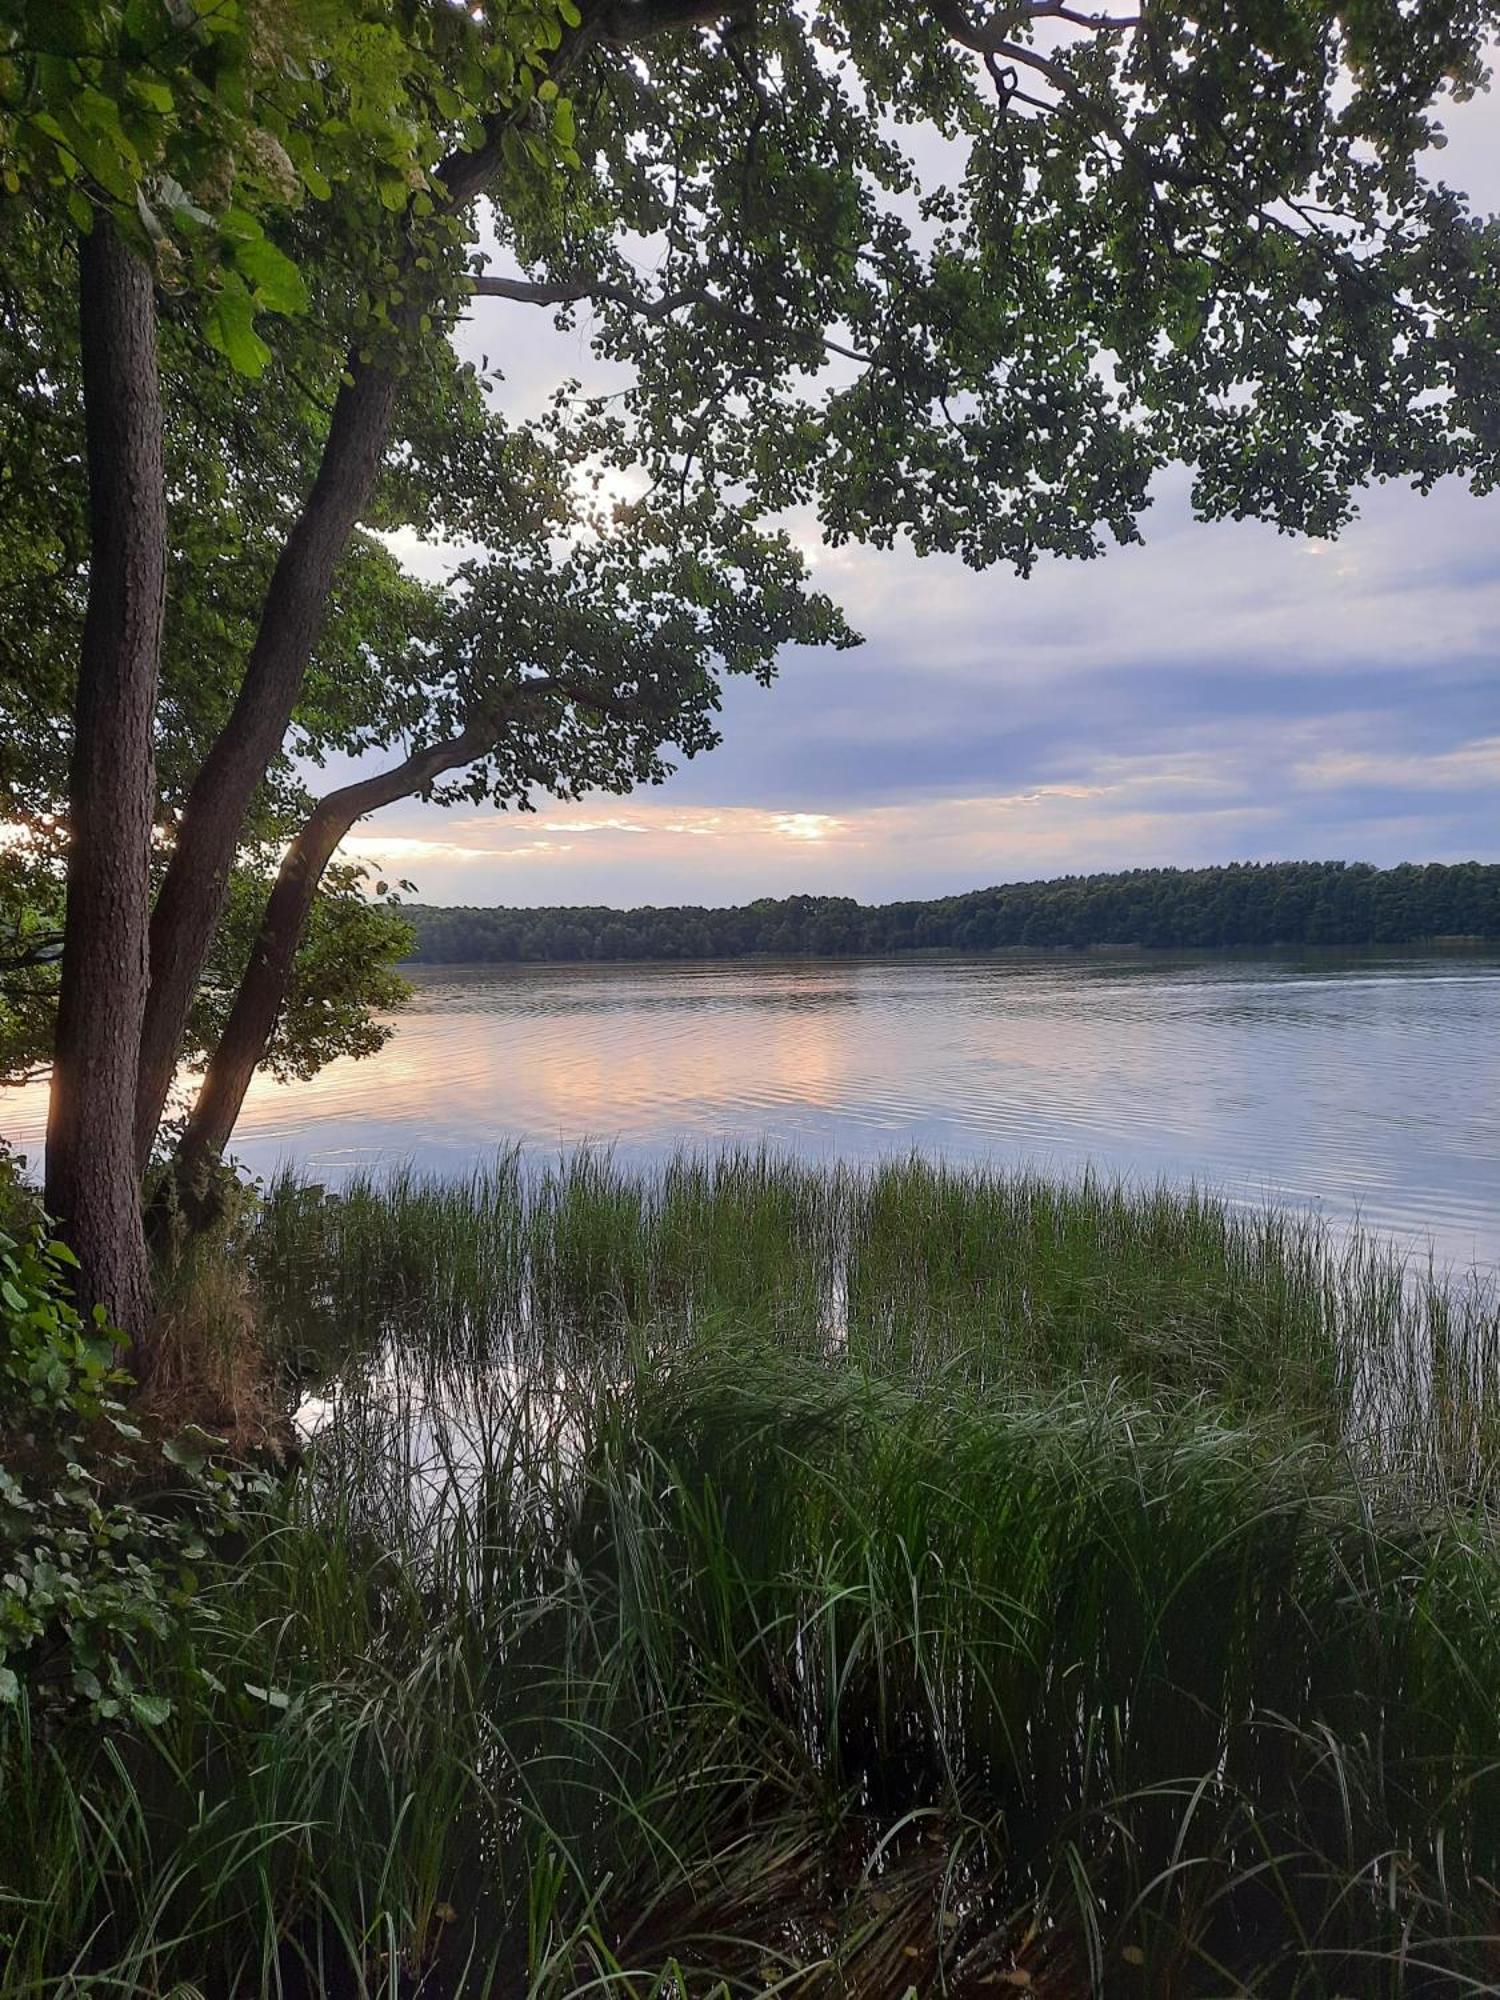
column 1360, row 1084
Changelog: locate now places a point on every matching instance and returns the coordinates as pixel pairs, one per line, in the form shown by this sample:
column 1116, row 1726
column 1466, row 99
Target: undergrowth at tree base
column 753, row 1578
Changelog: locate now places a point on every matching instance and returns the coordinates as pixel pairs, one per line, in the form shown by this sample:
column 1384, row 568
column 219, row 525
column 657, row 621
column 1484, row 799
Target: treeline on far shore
column 1269, row 903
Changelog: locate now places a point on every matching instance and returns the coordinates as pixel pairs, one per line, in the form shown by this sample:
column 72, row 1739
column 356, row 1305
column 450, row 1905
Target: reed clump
column 748, row 1577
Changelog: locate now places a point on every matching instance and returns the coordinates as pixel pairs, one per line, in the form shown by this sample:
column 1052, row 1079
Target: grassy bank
column 753, row 1579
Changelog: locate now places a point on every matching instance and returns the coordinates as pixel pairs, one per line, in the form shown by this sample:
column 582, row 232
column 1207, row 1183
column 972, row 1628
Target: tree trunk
column 192, row 895
column 93, row 1186
column 191, row 899
column 257, row 1006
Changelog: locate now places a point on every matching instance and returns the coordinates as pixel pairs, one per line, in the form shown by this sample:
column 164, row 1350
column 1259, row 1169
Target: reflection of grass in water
column 936, row 1577
column 911, row 1271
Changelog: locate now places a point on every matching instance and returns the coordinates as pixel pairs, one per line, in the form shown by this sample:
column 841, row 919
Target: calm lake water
column 1365, row 1084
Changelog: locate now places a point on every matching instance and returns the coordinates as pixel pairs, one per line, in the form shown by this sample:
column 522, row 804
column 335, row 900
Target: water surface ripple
column 1362, row 1084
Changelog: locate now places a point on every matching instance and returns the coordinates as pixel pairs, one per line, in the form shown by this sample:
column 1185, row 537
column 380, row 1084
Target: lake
column 1360, row 1084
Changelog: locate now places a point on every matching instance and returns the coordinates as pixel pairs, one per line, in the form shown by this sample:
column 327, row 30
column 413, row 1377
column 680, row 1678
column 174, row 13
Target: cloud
column 592, row 826
column 806, row 826
column 1117, row 811
column 1181, row 710
column 1471, row 766
column 382, row 850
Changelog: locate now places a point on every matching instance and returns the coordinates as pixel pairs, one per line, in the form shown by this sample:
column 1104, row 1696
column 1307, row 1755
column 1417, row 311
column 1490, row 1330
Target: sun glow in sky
column 1222, row 693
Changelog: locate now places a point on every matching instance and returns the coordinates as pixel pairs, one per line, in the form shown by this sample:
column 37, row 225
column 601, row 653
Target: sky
column 1224, row 693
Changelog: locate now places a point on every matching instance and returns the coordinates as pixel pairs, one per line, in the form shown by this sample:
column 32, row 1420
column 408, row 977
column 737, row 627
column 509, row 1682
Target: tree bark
column 192, row 895
column 263, row 989
column 191, row 898
column 92, row 1185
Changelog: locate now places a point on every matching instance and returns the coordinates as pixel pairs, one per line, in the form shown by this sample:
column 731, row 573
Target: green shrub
column 57, row 1369
column 99, row 1530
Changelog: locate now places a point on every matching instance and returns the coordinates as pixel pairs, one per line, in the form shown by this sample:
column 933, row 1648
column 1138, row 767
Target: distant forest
column 1272, row 903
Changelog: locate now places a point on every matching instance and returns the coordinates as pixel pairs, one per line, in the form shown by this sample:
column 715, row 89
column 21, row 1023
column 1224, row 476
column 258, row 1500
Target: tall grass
column 750, row 1578
column 1010, row 1284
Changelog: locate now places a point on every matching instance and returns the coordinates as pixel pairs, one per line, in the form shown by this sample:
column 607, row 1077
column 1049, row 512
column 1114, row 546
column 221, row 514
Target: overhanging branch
column 538, row 292
column 527, row 292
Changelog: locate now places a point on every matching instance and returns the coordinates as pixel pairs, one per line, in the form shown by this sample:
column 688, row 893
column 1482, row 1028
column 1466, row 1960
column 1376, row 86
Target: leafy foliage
column 31, row 921
column 91, row 1566
column 1206, row 232
column 55, row 1366
column 343, row 977
column 344, row 973
column 1277, row 903
column 200, row 126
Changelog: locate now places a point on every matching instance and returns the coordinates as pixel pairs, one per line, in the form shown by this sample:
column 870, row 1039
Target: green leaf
column 10, row 1686
column 230, row 326
column 275, row 1697
column 272, row 276
column 240, row 226
column 152, row 92
column 179, row 204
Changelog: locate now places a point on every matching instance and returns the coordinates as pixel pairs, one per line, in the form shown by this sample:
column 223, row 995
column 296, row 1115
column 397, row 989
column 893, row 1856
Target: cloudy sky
column 1223, row 693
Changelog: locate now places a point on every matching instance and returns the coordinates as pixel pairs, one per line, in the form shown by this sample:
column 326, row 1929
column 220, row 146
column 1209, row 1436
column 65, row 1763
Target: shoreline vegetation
column 747, row 1577
column 1247, row 904
column 738, row 1578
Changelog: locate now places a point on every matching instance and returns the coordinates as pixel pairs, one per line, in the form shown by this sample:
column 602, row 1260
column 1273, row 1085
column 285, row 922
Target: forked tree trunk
column 192, row 894
column 263, row 989
column 93, row 1186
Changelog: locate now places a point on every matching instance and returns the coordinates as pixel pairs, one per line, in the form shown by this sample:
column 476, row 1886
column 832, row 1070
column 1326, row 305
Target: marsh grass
column 210, row 1366
column 748, row 1578
column 1016, row 1284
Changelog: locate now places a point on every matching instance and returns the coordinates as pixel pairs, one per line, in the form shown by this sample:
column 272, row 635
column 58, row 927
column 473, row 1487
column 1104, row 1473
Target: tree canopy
column 1277, row 903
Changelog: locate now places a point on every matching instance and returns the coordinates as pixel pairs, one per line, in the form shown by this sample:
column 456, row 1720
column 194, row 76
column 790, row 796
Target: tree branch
column 263, row 988
column 527, row 292
column 540, row 292
column 192, row 894
column 1105, row 24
